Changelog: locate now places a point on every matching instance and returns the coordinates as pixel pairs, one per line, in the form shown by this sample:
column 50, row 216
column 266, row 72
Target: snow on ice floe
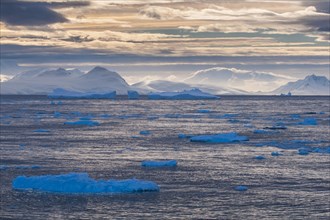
column 82, row 123
column 41, row 131
column 133, row 94
column 66, row 94
column 308, row 121
column 241, row 188
column 193, row 94
column 81, row 183
column 219, row 138
column 165, row 163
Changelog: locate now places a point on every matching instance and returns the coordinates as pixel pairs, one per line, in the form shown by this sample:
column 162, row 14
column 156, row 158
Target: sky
column 167, row 39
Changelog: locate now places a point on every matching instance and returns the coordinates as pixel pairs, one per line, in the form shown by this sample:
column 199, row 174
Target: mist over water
column 291, row 186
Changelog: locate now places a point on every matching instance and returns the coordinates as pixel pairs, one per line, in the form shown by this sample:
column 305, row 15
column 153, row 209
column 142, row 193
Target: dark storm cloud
column 27, row 13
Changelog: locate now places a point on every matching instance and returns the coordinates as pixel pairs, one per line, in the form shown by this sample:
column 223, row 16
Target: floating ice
column 81, row 183
column 275, row 154
column 241, row 188
column 259, row 157
column 303, row 151
column 203, row 111
column 41, row 130
column 219, row 138
column 133, row 94
column 308, row 121
column 165, row 163
column 146, row 132
column 62, row 93
column 82, row 123
column 276, row 127
column 193, row 94
column 322, row 150
column 259, row 131
column 57, row 114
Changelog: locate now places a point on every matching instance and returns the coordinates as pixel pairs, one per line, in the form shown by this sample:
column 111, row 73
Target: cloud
column 29, row 13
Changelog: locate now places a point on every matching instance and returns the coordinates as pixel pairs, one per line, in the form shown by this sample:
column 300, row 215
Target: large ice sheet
column 66, row 94
column 219, row 138
column 184, row 95
column 81, row 183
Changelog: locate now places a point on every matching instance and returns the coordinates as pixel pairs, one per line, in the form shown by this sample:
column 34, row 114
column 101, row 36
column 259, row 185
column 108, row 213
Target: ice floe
column 82, row 123
column 81, row 183
column 165, row 163
column 219, row 138
column 145, row 132
column 276, row 154
column 259, row 157
column 41, row 131
column 241, row 188
column 193, row 94
column 308, row 121
column 66, row 94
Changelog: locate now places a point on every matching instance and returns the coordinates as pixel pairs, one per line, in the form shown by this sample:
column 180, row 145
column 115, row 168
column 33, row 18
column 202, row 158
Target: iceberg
column 219, row 138
column 259, row 157
column 241, row 188
column 82, row 123
column 194, row 94
column 165, row 163
column 66, row 94
column 133, row 94
column 41, row 130
column 308, row 121
column 81, row 183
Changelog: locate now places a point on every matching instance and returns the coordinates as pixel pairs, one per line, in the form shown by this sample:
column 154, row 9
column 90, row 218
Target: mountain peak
column 99, row 69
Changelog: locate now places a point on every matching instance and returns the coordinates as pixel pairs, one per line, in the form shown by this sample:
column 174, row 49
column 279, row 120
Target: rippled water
column 291, row 186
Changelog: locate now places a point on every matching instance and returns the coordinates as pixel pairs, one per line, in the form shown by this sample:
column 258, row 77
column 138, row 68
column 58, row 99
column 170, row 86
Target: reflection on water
column 201, row 187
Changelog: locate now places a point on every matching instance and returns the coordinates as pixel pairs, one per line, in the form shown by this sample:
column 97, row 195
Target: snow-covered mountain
column 4, row 78
column 43, row 81
column 311, row 85
column 170, row 86
column 237, row 78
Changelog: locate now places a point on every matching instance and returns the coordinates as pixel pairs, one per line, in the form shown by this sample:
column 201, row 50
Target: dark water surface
column 291, row 186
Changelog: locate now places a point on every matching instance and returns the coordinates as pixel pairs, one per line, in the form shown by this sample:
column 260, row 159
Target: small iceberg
column 165, row 163
column 308, row 121
column 219, row 138
column 303, row 151
column 259, row 157
column 194, row 94
column 66, row 94
column 133, row 94
column 241, row 188
column 81, row 183
column 41, row 131
column 146, row 132
column 203, row 111
column 82, row 123
column 276, row 154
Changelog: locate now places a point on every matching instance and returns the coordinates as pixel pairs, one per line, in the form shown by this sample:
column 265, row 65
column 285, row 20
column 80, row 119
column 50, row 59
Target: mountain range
column 220, row 81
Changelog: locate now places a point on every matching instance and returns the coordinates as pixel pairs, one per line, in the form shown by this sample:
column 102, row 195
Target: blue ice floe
column 259, row 157
column 194, row 94
column 41, row 131
column 66, row 94
column 203, row 111
column 164, row 163
column 133, row 94
column 303, row 151
column 308, row 121
column 82, row 123
column 81, row 183
column 241, row 188
column 145, row 132
column 276, row 154
column 219, row 138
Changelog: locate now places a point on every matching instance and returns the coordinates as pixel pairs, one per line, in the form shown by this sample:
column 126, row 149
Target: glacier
column 67, row 94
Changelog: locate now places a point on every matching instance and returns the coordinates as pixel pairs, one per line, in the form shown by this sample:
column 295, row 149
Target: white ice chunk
column 219, row 138
column 81, row 183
